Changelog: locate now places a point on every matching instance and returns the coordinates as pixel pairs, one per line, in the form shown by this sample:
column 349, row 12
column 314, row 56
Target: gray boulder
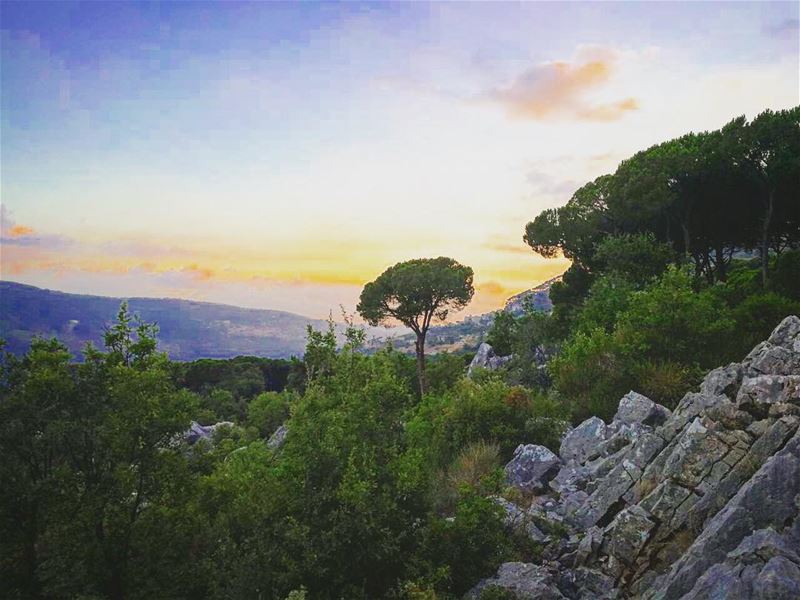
column 532, row 467
column 527, row 581
column 199, row 432
column 519, row 520
column 764, row 565
column 580, row 442
column 787, row 334
column 486, row 358
column 703, row 502
column 756, row 393
column 277, row 439
column 768, row 499
column 636, row 408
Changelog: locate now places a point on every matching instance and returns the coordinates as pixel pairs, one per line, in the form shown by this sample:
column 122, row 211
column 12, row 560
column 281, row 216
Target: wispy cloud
column 508, row 248
column 561, row 89
column 15, row 234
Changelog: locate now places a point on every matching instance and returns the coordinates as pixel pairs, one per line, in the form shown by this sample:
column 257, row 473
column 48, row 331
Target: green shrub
column 494, row 592
column 443, row 371
column 475, row 468
column 224, row 405
column 268, row 411
column 460, row 551
column 670, row 321
column 592, row 372
column 666, row 382
column 609, row 296
column 489, row 411
column 785, row 279
column 636, row 258
column 502, row 335
column 755, row 319
column 548, row 421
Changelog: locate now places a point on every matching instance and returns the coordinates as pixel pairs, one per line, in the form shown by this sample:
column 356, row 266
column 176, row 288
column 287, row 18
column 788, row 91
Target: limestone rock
column 787, row 334
column 636, row 408
column 532, row 467
column 769, row 498
column 628, row 533
column 764, row 565
column 526, row 580
column 486, row 358
column 756, row 392
column 519, row 520
column 199, row 432
column 277, row 439
column 581, row 441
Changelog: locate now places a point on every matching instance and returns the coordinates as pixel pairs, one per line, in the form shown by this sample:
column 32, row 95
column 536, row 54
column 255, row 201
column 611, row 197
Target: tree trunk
column 686, row 241
column 30, row 556
column 116, row 585
column 765, row 238
column 720, row 264
column 420, row 346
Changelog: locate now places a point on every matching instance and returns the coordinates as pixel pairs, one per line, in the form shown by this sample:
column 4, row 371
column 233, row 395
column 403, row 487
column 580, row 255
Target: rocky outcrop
column 199, row 432
column 485, row 358
column 277, row 439
column 536, row 299
column 526, row 581
column 532, row 467
column 702, row 502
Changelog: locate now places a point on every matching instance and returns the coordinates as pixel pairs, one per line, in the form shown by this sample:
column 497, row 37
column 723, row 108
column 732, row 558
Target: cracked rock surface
column 701, row 502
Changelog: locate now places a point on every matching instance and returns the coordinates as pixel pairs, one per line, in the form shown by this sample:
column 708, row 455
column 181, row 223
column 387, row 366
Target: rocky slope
column 702, row 502
column 537, row 298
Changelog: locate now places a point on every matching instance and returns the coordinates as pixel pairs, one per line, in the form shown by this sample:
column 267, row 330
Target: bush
column 637, row 258
column 609, row 296
column 502, row 336
column 443, row 371
column 666, row 382
column 548, row 421
column 755, row 319
column 489, row 411
column 592, row 372
column 476, row 467
column 670, row 321
column 459, row 552
column 268, row 411
column 785, row 278
column 743, row 280
column 224, row 405
column 494, row 592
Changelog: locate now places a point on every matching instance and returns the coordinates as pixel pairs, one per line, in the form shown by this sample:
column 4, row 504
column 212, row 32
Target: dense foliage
column 376, row 492
column 683, row 259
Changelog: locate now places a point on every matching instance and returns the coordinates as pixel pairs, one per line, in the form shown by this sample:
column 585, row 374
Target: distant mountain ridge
column 187, row 329
column 190, row 329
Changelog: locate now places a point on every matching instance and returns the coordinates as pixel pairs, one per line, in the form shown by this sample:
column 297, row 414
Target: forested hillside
column 377, row 475
column 187, row 329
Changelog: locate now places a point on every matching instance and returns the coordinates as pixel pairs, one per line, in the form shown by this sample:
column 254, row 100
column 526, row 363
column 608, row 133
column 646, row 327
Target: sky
column 281, row 155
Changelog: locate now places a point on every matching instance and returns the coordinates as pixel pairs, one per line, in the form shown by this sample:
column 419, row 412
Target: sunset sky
column 281, row 155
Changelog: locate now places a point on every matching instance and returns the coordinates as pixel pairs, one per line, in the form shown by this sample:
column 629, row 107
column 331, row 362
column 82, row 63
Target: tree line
column 706, row 195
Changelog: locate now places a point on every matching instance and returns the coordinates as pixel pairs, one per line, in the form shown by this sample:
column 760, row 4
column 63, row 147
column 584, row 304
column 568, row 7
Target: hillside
column 700, row 502
column 188, row 329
